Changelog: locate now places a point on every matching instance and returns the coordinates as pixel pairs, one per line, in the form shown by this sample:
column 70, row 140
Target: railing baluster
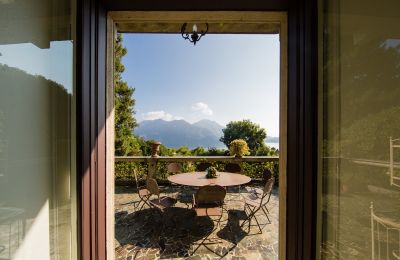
column 379, row 242
column 387, row 243
column 391, row 161
column 372, row 231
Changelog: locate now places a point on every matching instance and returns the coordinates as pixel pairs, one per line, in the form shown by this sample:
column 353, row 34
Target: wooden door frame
column 301, row 115
column 128, row 20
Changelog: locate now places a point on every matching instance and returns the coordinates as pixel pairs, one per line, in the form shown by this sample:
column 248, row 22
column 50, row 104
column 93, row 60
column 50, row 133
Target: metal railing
column 152, row 161
column 394, row 144
column 385, row 237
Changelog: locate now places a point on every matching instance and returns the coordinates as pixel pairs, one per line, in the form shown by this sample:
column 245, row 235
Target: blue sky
column 54, row 63
column 222, row 78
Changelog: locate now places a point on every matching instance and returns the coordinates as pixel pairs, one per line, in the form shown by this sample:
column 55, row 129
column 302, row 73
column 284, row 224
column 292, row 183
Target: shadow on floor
column 173, row 233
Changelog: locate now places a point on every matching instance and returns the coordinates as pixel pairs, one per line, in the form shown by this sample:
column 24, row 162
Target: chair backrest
column 152, row 186
column 203, row 166
column 267, row 190
column 174, row 168
column 233, row 167
column 266, row 175
column 210, row 194
column 136, row 179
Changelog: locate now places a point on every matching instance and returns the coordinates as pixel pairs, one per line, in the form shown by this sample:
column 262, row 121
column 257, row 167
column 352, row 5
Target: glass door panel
column 37, row 130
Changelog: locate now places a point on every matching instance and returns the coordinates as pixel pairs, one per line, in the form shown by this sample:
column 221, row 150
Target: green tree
column 183, row 150
column 198, row 151
column 252, row 133
column 125, row 142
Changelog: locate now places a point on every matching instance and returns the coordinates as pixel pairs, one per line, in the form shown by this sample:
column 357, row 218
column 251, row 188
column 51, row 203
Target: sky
column 54, row 63
column 222, row 78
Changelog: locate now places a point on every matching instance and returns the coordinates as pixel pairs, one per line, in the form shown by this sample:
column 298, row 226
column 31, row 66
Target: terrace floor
column 138, row 235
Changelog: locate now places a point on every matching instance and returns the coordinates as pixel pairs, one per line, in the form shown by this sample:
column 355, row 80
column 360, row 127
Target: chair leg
column 258, row 224
column 266, row 214
column 252, row 214
column 217, row 241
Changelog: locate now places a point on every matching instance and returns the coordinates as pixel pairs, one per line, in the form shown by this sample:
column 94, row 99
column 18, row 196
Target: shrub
column 238, row 147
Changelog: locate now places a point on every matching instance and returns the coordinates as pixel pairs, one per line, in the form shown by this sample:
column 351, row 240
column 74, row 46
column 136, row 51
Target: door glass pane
column 37, row 130
column 360, row 130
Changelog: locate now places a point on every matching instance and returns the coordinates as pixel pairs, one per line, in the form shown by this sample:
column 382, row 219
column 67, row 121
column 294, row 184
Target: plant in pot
column 211, row 172
column 239, row 148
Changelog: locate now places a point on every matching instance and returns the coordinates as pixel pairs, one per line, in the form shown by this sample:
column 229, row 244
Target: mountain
column 176, row 133
column 213, row 126
column 272, row 139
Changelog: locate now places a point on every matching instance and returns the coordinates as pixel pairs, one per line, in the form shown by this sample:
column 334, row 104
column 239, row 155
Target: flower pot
column 155, row 149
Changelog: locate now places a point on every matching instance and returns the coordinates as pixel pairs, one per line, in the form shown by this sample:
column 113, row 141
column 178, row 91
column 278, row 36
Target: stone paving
column 175, row 234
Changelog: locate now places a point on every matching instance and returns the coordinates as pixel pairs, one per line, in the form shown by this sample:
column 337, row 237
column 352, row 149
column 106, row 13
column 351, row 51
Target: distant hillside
column 272, row 139
column 176, row 133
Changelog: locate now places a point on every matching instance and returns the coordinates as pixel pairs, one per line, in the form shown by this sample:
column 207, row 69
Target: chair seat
column 163, row 203
column 204, row 212
column 251, row 199
column 256, row 191
column 144, row 192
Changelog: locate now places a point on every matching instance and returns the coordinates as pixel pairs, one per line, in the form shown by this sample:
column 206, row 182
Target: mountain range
column 176, row 133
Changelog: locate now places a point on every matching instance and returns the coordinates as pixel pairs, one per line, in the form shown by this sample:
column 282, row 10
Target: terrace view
column 199, row 189
column 263, row 130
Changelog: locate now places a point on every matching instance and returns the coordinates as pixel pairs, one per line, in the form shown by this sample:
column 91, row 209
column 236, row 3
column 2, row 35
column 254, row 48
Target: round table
column 198, row 179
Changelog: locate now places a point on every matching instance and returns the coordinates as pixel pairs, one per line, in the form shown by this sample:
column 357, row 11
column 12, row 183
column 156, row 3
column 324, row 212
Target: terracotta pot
column 155, row 149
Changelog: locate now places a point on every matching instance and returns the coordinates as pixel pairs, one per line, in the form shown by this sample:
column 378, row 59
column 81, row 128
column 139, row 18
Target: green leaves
column 125, row 123
column 238, row 147
column 250, row 132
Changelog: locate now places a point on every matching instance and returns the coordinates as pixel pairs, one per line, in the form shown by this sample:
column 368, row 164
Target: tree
column 198, row 151
column 183, row 150
column 252, row 133
column 125, row 142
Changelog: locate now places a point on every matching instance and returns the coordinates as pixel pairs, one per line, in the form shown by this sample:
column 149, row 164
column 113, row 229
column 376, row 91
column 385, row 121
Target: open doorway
column 220, row 22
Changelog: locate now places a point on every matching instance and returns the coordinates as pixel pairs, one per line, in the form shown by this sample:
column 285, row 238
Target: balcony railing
column 152, row 162
column 197, row 159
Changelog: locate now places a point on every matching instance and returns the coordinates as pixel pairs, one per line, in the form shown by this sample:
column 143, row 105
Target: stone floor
column 146, row 234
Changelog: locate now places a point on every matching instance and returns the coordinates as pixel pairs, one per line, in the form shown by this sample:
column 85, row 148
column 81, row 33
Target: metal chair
column 201, row 167
column 161, row 202
column 174, row 168
column 253, row 202
column 233, row 167
column 143, row 192
column 184, row 194
column 267, row 174
column 208, row 202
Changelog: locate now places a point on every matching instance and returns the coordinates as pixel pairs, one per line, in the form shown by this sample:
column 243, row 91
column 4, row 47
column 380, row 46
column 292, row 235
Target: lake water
column 275, row 145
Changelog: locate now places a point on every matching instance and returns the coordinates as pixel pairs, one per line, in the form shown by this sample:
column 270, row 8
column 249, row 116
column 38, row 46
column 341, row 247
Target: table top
column 198, row 179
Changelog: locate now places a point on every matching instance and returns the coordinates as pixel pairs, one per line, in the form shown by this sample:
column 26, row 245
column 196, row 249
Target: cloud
column 203, row 108
column 153, row 115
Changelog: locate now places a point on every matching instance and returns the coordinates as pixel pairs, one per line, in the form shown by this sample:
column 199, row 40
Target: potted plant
column 238, row 148
column 211, row 172
column 155, row 149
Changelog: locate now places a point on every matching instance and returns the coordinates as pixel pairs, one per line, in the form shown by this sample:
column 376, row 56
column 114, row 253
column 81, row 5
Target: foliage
column 124, row 170
column 183, row 151
column 238, row 147
column 125, row 142
column 215, row 152
column 252, row 133
column 211, row 172
column 267, row 151
column 198, row 151
column 369, row 137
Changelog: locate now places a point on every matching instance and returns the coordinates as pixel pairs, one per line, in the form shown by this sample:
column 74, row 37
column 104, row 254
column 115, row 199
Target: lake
column 275, row 145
